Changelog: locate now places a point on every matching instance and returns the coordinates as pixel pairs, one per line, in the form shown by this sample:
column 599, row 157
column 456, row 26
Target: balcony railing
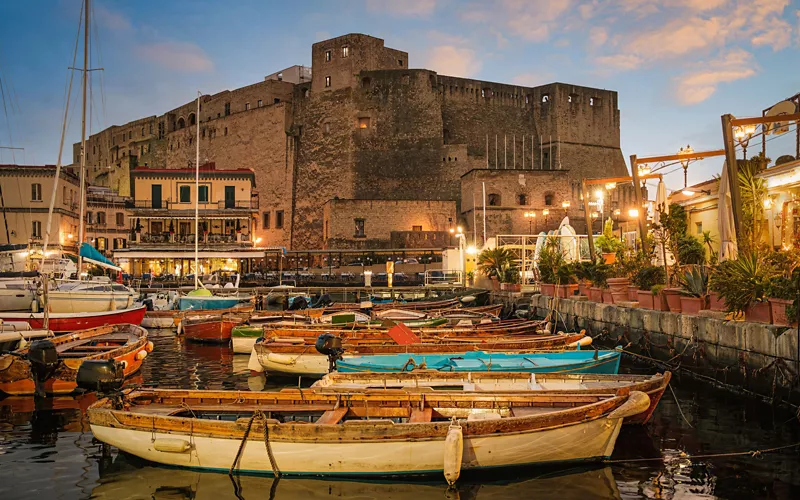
column 188, row 239
column 218, row 205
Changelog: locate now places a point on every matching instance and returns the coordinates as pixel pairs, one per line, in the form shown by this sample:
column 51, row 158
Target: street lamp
column 531, row 216
column 565, row 206
column 545, row 212
column 685, row 162
column 742, row 135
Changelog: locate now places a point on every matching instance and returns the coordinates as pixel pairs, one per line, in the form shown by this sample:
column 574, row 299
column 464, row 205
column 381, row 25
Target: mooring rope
column 752, row 453
column 258, row 414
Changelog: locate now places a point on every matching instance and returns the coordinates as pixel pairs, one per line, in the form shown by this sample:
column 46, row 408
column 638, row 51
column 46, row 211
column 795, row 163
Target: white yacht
column 96, row 295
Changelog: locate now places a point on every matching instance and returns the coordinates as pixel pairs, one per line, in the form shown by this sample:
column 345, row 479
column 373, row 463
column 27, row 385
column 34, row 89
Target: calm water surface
column 47, row 451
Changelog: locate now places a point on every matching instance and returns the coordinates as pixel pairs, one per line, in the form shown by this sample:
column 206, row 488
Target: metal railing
column 186, row 239
column 444, row 277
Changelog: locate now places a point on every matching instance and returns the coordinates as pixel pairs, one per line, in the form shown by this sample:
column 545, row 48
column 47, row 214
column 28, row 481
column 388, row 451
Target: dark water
column 47, row 451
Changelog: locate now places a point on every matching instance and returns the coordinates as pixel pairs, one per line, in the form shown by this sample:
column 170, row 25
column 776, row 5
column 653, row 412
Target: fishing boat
column 522, row 382
column 213, row 329
column 244, row 311
column 202, row 300
column 51, row 366
column 159, row 319
column 287, row 357
column 381, row 433
column 70, row 322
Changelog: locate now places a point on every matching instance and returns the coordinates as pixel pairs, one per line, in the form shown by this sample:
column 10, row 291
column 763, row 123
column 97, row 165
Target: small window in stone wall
column 400, row 62
column 279, row 219
column 548, row 199
column 276, row 101
column 247, row 106
column 494, row 200
column 327, row 55
column 327, row 81
column 360, row 225
column 345, row 51
column 227, row 108
column 545, row 98
column 363, row 123
column 307, row 93
column 406, row 79
column 366, row 82
column 416, row 228
column 327, row 128
column 265, row 220
column 522, row 199
column 595, row 102
column 260, row 103
column 573, row 98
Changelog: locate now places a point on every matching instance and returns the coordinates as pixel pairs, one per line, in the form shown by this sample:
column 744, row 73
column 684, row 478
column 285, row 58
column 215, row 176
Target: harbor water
column 47, row 450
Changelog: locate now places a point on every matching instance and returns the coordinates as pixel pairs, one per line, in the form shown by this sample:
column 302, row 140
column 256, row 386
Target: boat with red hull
column 70, row 322
column 212, row 329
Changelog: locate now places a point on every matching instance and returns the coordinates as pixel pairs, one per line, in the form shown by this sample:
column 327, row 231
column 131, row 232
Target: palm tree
column 494, row 262
column 708, row 240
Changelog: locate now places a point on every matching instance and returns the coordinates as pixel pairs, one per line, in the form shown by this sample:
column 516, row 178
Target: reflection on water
column 47, row 451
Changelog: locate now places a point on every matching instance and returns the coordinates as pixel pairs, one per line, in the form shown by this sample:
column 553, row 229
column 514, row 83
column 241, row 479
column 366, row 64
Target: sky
column 678, row 65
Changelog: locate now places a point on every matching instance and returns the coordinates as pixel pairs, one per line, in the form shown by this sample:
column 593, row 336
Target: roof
column 516, row 171
column 209, row 170
column 33, row 168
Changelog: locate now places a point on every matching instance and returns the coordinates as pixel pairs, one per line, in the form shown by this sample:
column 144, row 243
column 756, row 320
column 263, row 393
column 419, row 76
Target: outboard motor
column 331, row 346
column 298, row 303
column 323, row 300
column 148, row 304
column 43, row 357
column 104, row 376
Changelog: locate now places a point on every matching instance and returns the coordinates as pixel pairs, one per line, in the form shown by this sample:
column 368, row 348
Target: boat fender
column 149, row 347
column 35, row 306
column 637, row 403
column 453, row 453
column 583, row 342
column 141, row 355
column 171, row 445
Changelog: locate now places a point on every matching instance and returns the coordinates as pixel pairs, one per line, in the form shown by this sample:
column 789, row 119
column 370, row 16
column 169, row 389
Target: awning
column 89, row 253
column 189, row 254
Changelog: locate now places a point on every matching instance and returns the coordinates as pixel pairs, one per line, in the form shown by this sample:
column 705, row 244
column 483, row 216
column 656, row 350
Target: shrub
column 691, row 251
column 493, row 262
column 650, row 276
column 694, row 282
column 743, row 281
column 550, row 260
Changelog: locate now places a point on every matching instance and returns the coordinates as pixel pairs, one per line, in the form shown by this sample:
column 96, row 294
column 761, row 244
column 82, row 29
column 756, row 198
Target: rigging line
column 98, row 42
column 8, row 122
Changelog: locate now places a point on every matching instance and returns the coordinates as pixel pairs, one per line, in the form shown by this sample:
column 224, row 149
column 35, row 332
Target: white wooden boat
column 159, row 319
column 17, row 294
column 381, row 433
column 89, row 296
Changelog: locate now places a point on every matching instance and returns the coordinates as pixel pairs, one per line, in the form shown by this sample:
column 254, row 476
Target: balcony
column 250, row 205
column 213, row 239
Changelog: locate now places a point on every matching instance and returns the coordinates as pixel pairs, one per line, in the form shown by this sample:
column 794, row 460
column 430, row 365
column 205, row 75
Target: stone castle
column 368, row 150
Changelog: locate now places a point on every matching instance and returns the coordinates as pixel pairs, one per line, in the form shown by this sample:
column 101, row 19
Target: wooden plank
column 418, row 415
column 332, row 417
column 403, row 335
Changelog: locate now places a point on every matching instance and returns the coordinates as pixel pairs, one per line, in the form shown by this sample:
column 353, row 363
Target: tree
column 753, row 191
column 496, row 262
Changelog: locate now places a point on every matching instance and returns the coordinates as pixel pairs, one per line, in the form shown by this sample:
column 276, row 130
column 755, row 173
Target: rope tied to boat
column 257, row 415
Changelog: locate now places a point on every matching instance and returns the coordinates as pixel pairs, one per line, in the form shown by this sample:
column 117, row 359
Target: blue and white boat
column 202, row 299
column 596, row 362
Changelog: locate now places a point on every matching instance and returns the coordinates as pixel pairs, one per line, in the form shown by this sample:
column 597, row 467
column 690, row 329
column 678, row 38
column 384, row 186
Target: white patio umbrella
column 569, row 240
column 728, row 248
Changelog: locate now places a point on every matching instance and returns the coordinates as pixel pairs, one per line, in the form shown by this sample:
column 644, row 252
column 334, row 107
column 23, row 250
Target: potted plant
column 582, row 272
column 645, row 279
column 782, row 292
column 598, row 277
column 493, row 263
column 511, row 280
column 694, row 296
column 565, row 277
column 742, row 282
column 550, row 259
column 608, row 243
column 659, row 299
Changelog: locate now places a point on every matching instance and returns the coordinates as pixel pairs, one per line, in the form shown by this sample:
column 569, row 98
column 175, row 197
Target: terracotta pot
column 609, row 258
column 583, row 289
column 566, row 291
column 758, row 312
column 692, row 305
column 645, row 298
column 548, row 289
column 608, row 297
column 596, row 294
column 633, row 293
column 495, row 284
column 715, row 302
column 620, row 297
column 778, row 311
column 660, row 302
column 618, row 284
column 515, row 287
column 673, row 296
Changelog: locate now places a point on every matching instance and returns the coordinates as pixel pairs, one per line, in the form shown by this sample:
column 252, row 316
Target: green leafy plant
column 565, row 274
column 656, row 289
column 582, row 270
column 694, row 282
column 649, row 276
column 708, row 240
column 550, row 260
column 598, row 275
column 691, row 251
column 607, row 242
column 493, row 262
column 742, row 281
column 753, row 190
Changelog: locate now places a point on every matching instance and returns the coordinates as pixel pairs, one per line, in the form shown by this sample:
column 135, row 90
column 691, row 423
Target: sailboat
column 201, row 298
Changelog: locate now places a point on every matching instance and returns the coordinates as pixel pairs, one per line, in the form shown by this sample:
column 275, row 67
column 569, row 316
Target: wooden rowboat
column 159, row 319
column 381, row 433
column 302, row 358
column 127, row 344
column 70, row 322
column 538, row 383
column 179, row 316
column 215, row 329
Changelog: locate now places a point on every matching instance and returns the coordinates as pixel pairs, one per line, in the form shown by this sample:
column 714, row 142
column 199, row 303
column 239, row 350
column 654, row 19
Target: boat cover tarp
column 88, row 252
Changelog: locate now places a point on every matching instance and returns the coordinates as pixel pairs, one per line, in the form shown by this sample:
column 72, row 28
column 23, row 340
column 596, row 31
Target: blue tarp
column 88, row 252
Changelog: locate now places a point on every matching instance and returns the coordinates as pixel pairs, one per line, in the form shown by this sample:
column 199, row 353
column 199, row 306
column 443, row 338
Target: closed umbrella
column 727, row 231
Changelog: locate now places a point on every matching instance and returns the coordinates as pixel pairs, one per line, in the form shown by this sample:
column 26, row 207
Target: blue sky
column 677, row 64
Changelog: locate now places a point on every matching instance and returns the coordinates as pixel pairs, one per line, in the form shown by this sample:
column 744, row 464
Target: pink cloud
column 178, row 56
column 404, row 8
column 453, row 61
column 698, row 85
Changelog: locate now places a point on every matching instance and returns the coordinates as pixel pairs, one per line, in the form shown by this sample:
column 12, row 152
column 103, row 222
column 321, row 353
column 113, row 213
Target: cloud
column 598, row 36
column 403, row 8
column 624, row 62
column 532, row 79
column 178, row 56
column 698, row 85
column 113, row 21
column 453, row 61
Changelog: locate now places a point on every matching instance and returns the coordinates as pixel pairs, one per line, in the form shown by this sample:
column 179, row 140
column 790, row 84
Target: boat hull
column 213, row 331
column 16, row 300
column 244, row 338
column 159, row 319
column 79, row 302
column 582, row 442
column 207, row 303
column 70, row 322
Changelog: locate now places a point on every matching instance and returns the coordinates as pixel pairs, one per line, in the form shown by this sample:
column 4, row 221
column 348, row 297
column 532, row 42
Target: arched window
column 522, row 199
column 181, row 123
column 548, row 199
column 494, row 200
column 192, row 119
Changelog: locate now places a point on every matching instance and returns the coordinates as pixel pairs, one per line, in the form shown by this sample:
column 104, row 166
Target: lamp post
column 545, row 212
column 531, row 216
column 565, row 206
column 685, row 163
column 598, row 195
column 742, row 134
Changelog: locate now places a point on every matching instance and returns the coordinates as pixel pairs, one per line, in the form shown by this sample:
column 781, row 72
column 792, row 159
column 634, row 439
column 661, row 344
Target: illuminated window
column 327, row 56
column 360, row 228
column 327, row 81
column 345, row 51
column 363, row 122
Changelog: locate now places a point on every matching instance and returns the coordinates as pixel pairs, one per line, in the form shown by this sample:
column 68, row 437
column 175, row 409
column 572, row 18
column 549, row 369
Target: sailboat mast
column 81, row 228
column 197, row 192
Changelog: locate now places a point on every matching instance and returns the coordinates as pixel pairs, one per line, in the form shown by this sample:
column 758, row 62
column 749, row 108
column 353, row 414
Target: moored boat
column 202, row 299
column 88, row 296
column 17, row 334
column 213, row 329
column 381, row 433
column 506, row 382
column 51, row 366
column 70, row 322
column 159, row 319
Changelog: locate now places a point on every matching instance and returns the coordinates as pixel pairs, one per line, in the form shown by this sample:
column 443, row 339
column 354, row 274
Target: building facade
column 366, row 127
